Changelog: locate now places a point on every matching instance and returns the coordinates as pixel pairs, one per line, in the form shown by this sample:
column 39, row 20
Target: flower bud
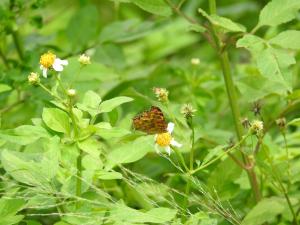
column 245, row 122
column 71, row 92
column 195, row 61
column 84, row 59
column 187, row 110
column 257, row 127
column 281, row 123
column 33, row 78
column 161, row 94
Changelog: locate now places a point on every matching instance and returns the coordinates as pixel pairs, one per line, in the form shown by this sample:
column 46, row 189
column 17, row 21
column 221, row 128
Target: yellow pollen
column 164, row 139
column 47, row 59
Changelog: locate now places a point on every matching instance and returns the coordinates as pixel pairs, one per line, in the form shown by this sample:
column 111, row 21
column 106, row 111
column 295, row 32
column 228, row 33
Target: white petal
column 41, row 67
column 62, row 61
column 45, row 72
column 156, row 148
column 155, row 137
column 168, row 150
column 57, row 66
column 175, row 143
column 170, row 127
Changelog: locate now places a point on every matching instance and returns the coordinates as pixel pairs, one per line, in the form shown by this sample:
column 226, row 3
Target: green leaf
column 35, row 169
column 124, row 31
column 266, row 210
column 271, row 62
column 109, row 105
column 90, row 103
column 4, row 88
column 90, row 146
column 122, row 213
column 87, row 18
column 24, row 135
column 223, row 22
column 287, row 39
column 130, row 152
column 56, row 119
column 158, row 7
column 295, row 122
column 278, row 11
column 9, row 209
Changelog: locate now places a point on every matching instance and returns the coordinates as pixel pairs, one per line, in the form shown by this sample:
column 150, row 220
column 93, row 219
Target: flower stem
column 225, row 64
column 17, row 42
column 192, row 153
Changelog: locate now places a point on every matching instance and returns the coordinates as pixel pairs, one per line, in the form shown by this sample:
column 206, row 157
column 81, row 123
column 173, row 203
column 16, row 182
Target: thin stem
column 179, row 155
column 18, row 44
column 4, row 59
column 50, row 92
column 220, row 156
column 225, row 64
column 192, row 152
column 287, row 155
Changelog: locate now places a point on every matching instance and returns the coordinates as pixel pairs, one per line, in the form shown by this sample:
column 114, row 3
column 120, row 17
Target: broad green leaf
column 223, row 22
column 56, row 119
column 158, row 7
column 35, row 169
column 278, row 11
column 24, row 135
column 87, row 18
column 90, row 103
column 122, row 213
column 109, row 105
column 90, row 146
column 287, row 39
column 266, row 210
column 124, row 31
column 4, row 87
column 8, row 210
column 130, row 152
column 271, row 62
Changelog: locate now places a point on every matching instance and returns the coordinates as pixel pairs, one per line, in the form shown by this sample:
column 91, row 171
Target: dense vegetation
column 149, row 112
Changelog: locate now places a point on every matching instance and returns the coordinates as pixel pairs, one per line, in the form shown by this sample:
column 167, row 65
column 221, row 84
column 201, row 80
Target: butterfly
column 151, row 121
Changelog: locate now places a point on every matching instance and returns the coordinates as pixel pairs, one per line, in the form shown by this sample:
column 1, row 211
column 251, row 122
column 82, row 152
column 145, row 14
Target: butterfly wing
column 151, row 121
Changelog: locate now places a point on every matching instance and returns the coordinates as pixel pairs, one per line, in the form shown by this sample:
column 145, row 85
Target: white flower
column 166, row 140
column 84, row 59
column 49, row 60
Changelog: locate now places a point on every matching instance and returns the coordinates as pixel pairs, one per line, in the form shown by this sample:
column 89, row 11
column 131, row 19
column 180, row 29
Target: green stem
column 180, row 157
column 212, row 7
column 219, row 156
column 192, row 153
column 287, row 156
column 225, row 64
column 50, row 92
column 18, row 44
column 4, row 59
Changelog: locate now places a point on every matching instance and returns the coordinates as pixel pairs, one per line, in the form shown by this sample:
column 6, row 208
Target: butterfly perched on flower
column 151, row 121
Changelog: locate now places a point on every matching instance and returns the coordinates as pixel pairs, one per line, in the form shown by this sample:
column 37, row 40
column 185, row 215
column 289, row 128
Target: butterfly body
column 151, row 121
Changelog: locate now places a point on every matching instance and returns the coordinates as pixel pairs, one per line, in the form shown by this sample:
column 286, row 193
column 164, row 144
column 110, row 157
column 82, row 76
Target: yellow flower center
column 164, row 139
column 47, row 59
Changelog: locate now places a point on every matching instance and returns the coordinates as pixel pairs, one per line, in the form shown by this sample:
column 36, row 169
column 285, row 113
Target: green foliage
column 224, row 73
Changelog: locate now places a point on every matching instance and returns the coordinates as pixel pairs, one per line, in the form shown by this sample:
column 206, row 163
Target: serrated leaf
column 278, row 11
column 158, row 7
column 287, row 39
column 223, row 22
column 56, row 119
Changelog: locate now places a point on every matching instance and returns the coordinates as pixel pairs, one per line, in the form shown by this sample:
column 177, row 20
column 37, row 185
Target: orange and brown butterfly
column 151, row 121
